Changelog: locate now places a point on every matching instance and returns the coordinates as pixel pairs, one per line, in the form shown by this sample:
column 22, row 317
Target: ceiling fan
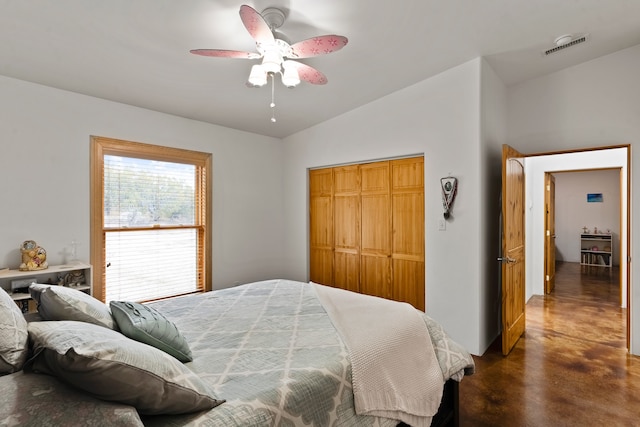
column 278, row 55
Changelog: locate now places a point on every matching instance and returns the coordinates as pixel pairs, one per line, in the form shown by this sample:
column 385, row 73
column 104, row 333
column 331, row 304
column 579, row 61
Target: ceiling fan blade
column 256, row 25
column 221, row 53
column 309, row 74
column 318, row 45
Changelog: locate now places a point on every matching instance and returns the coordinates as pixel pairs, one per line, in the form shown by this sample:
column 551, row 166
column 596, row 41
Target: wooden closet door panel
column 407, row 174
column 346, row 208
column 321, row 226
column 347, row 271
column 346, row 213
column 321, row 222
column 346, row 265
column 408, row 226
column 375, row 276
column 375, row 177
column 376, row 225
column 375, row 246
column 407, row 213
column 321, row 266
column 408, row 282
column 346, row 180
column 321, row 182
column 346, row 223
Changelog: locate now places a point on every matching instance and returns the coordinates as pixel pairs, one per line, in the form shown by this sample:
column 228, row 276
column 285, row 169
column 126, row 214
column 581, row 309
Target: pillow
column 148, row 325
column 13, row 335
column 62, row 303
column 112, row 367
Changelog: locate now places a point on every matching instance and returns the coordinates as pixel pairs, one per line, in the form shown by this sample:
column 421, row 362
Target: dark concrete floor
column 571, row 367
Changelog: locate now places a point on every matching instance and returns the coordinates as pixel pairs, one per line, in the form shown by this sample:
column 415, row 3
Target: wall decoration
column 449, row 186
column 594, row 198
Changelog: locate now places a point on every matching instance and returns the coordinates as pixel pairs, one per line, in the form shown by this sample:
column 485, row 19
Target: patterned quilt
column 34, row 400
column 271, row 351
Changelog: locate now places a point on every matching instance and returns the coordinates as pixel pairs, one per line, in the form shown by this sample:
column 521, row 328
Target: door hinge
column 547, row 277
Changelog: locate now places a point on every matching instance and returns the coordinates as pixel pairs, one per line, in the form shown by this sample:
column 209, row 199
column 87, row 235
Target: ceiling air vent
column 564, row 42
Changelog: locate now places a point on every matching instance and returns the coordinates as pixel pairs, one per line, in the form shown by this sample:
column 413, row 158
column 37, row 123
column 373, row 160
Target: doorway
column 537, row 166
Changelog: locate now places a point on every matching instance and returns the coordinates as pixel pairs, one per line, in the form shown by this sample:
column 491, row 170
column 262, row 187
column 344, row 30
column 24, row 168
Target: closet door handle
column 507, row 260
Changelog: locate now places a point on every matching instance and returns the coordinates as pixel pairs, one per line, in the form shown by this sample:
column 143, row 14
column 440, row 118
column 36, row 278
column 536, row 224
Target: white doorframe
column 535, row 168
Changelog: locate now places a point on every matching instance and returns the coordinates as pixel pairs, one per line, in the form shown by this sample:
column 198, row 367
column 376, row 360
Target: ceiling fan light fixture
column 277, row 52
column 271, row 61
column 290, row 77
column 258, row 76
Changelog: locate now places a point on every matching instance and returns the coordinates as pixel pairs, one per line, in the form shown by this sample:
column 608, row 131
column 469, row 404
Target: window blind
column 152, row 230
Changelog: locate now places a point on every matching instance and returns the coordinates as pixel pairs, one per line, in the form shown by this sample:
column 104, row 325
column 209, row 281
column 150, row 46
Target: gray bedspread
column 271, row 351
column 38, row 400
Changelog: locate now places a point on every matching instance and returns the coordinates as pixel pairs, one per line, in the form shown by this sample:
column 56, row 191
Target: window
column 150, row 226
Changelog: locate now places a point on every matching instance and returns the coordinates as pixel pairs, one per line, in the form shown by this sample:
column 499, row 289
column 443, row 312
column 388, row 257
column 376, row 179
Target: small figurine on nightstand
column 585, row 230
column 34, row 257
column 595, row 230
column 73, row 278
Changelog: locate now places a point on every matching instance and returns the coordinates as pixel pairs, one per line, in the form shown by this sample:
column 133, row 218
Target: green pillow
column 148, row 325
column 110, row 366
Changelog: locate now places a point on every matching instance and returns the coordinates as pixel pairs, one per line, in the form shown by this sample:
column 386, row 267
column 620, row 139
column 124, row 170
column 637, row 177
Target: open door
column 550, row 233
column 513, row 261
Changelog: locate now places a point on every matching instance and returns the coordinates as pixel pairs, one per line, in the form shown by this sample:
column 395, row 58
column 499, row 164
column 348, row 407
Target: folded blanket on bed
column 395, row 372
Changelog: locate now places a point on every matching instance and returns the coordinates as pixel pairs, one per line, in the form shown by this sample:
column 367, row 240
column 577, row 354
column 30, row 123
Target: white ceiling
column 137, row 51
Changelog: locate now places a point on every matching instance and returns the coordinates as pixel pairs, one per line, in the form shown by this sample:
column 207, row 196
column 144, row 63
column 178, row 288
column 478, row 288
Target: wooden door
column 375, row 249
column 550, row 234
column 513, row 260
column 407, row 213
column 321, row 226
column 346, row 222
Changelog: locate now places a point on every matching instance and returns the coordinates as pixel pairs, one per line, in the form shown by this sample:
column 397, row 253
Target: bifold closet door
column 407, row 213
column 375, row 250
column 367, row 228
column 346, row 222
column 321, row 226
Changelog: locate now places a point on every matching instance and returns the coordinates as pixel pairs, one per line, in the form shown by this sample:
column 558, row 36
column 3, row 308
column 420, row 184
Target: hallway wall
column 573, row 212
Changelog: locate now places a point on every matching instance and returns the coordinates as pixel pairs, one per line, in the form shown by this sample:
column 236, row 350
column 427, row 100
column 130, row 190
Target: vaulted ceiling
column 137, row 51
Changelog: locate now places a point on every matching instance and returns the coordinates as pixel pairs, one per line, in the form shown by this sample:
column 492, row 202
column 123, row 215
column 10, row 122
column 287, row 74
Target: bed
column 262, row 354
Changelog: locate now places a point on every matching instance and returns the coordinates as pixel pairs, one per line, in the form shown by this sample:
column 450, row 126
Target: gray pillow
column 112, row 367
column 148, row 325
column 13, row 335
column 62, row 303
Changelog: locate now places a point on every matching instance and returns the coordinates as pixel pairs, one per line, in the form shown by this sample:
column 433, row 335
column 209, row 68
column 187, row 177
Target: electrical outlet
column 442, row 225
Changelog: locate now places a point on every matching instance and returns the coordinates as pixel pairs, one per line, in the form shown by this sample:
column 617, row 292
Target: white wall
column 593, row 104
column 439, row 118
column 573, row 212
column 493, row 132
column 44, row 177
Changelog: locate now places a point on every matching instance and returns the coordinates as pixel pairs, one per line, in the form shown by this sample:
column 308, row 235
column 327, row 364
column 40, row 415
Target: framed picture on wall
column 594, row 198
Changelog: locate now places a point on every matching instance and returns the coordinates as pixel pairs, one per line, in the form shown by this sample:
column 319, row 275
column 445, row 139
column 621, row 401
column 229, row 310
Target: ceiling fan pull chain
column 273, row 99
